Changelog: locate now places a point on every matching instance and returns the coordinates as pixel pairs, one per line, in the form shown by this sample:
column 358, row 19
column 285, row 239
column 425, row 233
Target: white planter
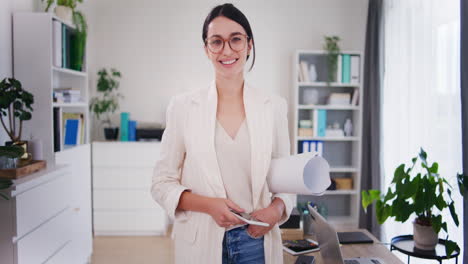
column 65, row 13
column 425, row 237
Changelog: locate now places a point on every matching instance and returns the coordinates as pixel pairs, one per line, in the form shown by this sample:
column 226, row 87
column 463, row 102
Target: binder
column 313, row 146
column 320, row 148
column 346, row 68
column 322, row 122
column 355, row 76
column 305, row 146
column 57, row 43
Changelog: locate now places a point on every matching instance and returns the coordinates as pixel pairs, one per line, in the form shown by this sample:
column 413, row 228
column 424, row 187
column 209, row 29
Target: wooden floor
column 132, row 250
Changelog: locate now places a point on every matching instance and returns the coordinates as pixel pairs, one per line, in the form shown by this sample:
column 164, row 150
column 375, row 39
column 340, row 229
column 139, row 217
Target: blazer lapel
column 259, row 121
column 214, row 173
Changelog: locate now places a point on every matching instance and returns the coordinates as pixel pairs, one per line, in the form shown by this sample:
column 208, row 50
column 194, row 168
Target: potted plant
column 64, row 8
column 419, row 190
column 333, row 50
column 15, row 107
column 107, row 102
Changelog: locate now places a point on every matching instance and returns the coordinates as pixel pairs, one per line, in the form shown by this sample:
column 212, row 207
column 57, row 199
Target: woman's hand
column 220, row 210
column 271, row 215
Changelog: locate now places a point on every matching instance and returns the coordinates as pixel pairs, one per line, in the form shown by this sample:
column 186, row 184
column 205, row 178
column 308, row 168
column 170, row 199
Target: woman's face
column 227, row 62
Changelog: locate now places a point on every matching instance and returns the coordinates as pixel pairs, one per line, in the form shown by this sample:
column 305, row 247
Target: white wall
column 7, row 7
column 158, row 48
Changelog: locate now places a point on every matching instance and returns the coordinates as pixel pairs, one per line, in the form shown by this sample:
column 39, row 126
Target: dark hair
column 231, row 12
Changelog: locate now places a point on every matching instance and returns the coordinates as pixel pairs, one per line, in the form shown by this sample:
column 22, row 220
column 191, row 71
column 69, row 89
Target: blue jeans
column 240, row 247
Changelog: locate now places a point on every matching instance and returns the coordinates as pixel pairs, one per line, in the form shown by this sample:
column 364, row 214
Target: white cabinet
column 79, row 192
column 122, row 202
column 48, row 216
column 36, row 220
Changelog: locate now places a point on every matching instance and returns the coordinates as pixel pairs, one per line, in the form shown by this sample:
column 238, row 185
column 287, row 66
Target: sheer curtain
column 421, row 96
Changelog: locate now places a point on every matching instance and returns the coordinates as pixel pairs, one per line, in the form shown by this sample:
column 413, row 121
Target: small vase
column 312, row 73
column 425, row 238
column 110, row 133
column 65, row 13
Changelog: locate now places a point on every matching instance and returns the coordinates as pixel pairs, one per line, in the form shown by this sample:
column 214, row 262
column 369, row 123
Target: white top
column 233, row 157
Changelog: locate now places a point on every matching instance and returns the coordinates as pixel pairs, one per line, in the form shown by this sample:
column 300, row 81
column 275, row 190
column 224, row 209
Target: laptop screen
column 327, row 238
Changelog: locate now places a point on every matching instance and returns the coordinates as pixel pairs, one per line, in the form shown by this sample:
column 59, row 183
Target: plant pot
column 24, row 145
column 425, row 238
column 65, row 13
column 110, row 133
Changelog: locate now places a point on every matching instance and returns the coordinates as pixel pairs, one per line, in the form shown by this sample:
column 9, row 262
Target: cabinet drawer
column 128, row 222
column 40, row 203
column 122, row 177
column 42, row 243
column 64, row 255
column 124, row 199
column 125, row 153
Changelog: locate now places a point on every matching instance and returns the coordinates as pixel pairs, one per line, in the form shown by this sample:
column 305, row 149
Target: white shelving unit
column 342, row 153
column 33, row 66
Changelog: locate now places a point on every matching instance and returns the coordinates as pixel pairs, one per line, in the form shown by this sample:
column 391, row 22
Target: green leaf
column 450, row 247
column 399, row 174
column 368, row 197
column 436, row 223
column 434, row 168
column 462, row 180
column 453, row 213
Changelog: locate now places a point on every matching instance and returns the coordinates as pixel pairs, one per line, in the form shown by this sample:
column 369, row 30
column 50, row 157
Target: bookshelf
column 35, row 65
column 342, row 152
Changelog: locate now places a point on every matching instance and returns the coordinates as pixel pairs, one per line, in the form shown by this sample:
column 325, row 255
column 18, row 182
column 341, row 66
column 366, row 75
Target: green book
column 346, row 68
column 124, row 117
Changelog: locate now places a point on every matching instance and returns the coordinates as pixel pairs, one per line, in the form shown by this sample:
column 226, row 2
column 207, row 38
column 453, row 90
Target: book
column 346, row 65
column 299, row 71
column 355, row 70
column 304, row 71
column 124, row 117
column 57, row 43
column 57, row 129
column 80, row 129
column 355, row 97
column 302, row 246
column 71, row 132
column 339, row 67
column 132, row 130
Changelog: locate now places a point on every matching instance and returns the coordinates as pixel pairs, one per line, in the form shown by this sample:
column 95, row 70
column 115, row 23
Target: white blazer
column 188, row 162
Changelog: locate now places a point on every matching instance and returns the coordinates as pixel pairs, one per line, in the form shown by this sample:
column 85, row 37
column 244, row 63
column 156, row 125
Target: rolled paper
column 305, row 173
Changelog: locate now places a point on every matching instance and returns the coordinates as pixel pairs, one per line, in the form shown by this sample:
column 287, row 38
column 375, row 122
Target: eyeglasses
column 236, row 42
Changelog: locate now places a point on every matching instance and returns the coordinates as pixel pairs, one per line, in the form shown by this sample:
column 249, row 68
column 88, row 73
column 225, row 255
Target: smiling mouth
column 229, row 62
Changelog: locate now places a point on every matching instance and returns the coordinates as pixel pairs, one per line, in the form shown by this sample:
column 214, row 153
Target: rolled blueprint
column 305, row 173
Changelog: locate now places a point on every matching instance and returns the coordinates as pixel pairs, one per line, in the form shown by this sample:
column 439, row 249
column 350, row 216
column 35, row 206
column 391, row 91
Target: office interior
column 399, row 89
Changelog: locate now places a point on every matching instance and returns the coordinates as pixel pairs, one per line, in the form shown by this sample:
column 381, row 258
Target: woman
column 215, row 155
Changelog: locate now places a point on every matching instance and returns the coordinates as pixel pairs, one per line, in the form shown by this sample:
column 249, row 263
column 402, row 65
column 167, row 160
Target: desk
column 376, row 250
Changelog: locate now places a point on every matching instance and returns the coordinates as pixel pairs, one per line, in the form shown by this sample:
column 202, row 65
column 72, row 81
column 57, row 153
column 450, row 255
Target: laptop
column 328, row 242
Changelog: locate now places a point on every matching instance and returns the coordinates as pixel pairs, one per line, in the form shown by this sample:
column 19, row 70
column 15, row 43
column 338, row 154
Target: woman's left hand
column 271, row 215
